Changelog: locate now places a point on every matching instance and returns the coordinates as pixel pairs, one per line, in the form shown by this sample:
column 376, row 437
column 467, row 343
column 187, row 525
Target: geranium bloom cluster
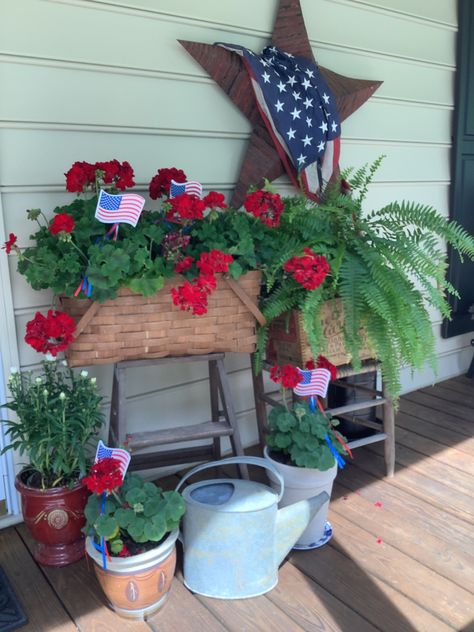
column 310, row 270
column 104, row 476
column 83, row 174
column 160, row 183
column 192, row 296
column 185, row 207
column 322, row 363
column 62, row 222
column 287, row 375
column 51, row 333
column 266, row 206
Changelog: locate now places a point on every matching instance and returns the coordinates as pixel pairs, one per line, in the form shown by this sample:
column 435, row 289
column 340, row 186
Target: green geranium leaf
column 106, row 526
column 155, row 530
column 146, row 286
column 175, row 506
column 135, row 496
column 124, row 517
column 116, row 546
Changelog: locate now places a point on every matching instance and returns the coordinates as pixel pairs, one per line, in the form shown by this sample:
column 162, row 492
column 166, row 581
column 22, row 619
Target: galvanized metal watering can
column 234, row 536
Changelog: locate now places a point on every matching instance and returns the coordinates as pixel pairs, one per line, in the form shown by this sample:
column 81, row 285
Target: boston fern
column 387, row 266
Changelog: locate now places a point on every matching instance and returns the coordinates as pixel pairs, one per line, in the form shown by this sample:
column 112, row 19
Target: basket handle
column 86, row 318
column 246, row 300
column 249, row 460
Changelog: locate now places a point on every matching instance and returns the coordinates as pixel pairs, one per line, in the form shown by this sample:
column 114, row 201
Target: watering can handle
column 249, row 460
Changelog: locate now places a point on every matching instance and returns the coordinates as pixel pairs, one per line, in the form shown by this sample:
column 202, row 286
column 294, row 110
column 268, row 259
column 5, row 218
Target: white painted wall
column 90, row 80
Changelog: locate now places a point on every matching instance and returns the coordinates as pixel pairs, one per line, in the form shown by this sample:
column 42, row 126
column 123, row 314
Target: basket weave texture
column 288, row 342
column 133, row 327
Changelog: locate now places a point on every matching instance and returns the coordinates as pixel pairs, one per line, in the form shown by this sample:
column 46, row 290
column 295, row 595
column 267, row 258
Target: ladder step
column 357, row 443
column 207, row 430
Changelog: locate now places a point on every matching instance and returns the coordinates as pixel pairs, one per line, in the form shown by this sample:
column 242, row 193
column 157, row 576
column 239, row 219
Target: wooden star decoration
column 226, row 68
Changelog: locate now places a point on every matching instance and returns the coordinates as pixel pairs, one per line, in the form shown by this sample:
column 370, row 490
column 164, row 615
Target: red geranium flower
column 185, row 207
column 104, row 476
column 214, row 261
column 287, row 375
column 161, row 182
column 323, row 363
column 214, row 200
column 266, row 206
column 207, row 282
column 183, row 265
column 79, row 176
column 125, row 552
column 125, row 176
column 61, row 223
column 190, row 297
column 310, row 270
column 110, row 170
column 10, row 243
column 50, row 334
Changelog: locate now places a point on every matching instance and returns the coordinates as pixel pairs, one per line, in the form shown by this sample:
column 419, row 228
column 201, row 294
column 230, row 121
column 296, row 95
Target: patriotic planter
column 288, row 341
column 134, row 326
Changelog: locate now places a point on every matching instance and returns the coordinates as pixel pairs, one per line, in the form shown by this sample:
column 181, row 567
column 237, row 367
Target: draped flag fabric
column 299, row 112
column 314, row 382
column 114, row 209
column 191, row 188
column 103, row 452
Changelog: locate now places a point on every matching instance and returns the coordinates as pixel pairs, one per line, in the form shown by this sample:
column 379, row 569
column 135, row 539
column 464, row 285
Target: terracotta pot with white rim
column 137, row 586
column 302, row 483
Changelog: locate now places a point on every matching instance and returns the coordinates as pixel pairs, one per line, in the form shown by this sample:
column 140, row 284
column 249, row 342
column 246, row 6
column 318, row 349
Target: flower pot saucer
column 315, row 545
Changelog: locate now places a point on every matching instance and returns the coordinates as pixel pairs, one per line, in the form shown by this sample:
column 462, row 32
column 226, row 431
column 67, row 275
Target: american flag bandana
column 314, row 382
column 191, row 188
column 299, row 112
column 114, row 209
column 103, row 452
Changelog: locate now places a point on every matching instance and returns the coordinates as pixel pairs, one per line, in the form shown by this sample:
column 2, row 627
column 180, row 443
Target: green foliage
column 138, row 511
column 57, row 417
column 300, row 434
column 138, row 259
column 387, row 266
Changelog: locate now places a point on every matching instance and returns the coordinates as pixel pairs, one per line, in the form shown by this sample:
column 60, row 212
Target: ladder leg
column 260, row 406
column 389, row 429
column 229, row 413
column 117, row 408
column 214, row 397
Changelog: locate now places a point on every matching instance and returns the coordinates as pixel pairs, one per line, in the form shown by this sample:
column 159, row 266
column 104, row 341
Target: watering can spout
column 292, row 520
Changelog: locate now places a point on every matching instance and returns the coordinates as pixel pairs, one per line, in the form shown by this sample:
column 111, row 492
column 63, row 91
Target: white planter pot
column 302, row 483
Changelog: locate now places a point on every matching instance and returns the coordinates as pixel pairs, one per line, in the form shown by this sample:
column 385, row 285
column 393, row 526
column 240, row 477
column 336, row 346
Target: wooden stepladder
column 223, row 422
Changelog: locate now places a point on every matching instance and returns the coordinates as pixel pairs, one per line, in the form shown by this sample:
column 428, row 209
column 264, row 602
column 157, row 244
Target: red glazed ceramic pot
column 55, row 517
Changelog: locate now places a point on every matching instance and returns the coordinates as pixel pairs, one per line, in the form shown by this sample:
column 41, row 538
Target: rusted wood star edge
column 289, row 33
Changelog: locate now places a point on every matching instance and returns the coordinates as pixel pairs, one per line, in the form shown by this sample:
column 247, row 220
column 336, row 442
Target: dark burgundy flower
column 125, row 176
column 161, row 182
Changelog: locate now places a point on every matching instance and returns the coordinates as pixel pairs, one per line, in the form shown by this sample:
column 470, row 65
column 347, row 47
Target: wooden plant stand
column 223, row 422
column 385, row 431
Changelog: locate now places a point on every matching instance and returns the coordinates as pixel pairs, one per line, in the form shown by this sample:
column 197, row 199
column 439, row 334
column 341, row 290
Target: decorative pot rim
column 138, row 562
column 49, row 491
column 309, row 470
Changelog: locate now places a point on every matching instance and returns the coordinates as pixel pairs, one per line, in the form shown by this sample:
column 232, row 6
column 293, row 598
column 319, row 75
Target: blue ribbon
column 339, row 460
column 101, row 548
column 312, row 403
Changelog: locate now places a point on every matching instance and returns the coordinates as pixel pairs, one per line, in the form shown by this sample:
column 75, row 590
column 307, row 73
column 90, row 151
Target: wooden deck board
column 420, row 577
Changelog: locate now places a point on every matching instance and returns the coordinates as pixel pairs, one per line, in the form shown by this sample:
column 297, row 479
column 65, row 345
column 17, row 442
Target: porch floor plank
column 40, row 604
column 400, row 560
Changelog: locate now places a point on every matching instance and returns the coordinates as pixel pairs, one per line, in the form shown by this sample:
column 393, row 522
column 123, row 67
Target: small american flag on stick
column 191, row 188
column 113, row 209
column 314, row 382
column 103, row 452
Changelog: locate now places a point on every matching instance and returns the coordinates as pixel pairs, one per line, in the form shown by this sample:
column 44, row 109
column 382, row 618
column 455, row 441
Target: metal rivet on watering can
column 234, row 536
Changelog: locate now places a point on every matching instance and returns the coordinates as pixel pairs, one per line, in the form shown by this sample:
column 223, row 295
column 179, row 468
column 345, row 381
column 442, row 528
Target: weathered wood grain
column 44, row 610
column 447, row 436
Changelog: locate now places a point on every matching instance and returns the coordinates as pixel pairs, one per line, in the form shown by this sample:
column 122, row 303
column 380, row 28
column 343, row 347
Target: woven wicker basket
column 132, row 326
column 288, row 343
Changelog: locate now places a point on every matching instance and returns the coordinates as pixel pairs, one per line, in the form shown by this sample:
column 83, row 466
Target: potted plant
column 57, row 416
column 132, row 527
column 184, row 256
column 304, row 446
column 377, row 272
